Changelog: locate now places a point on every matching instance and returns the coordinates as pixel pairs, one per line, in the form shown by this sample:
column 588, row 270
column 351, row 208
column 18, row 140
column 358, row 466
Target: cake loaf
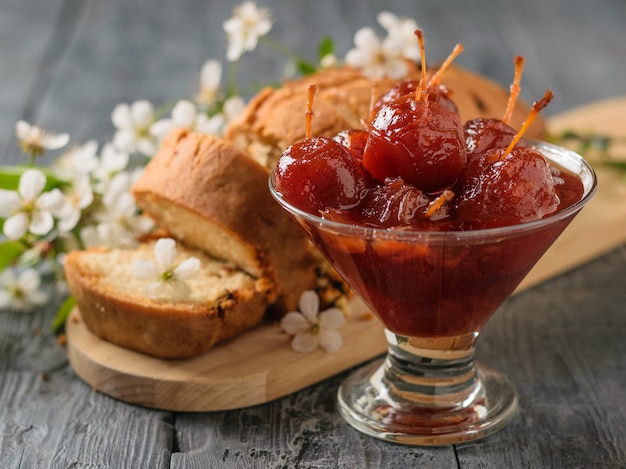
column 212, row 196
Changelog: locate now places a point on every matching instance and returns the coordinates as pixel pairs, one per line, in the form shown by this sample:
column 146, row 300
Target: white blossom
column 233, row 106
column 29, row 209
column 117, row 224
column 311, row 328
column 77, row 161
column 21, row 292
column 185, row 115
column 375, row 58
column 329, row 61
column 167, row 277
column 35, row 140
column 77, row 197
column 210, row 78
column 244, row 29
column 133, row 127
column 402, row 31
column 112, row 161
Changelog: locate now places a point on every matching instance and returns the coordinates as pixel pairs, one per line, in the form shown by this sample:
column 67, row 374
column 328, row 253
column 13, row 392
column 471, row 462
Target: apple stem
column 537, row 106
column 373, row 96
column 446, row 64
column 309, row 110
column 420, row 92
column 514, row 89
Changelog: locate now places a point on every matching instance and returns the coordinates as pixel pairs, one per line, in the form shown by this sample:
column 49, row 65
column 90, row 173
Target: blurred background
column 65, row 64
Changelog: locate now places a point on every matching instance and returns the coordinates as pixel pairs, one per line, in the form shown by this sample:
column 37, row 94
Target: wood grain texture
column 254, row 368
column 66, row 64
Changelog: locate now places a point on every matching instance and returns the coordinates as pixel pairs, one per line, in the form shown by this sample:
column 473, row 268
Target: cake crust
column 161, row 328
column 214, row 197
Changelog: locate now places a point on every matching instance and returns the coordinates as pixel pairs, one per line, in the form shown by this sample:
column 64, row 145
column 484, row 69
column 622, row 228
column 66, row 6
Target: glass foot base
column 367, row 403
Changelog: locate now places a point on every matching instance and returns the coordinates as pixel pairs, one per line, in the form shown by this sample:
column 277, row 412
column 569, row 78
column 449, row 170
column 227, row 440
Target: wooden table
column 65, row 64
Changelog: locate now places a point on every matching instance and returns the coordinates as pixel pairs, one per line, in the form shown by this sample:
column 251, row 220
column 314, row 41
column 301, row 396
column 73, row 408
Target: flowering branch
column 83, row 199
column 597, row 148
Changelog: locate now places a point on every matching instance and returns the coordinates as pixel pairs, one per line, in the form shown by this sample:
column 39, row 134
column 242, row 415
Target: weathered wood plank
column 59, row 422
column 65, row 64
column 562, row 345
column 301, row 430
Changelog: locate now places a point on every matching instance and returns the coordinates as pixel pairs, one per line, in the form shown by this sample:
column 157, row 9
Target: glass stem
column 430, row 373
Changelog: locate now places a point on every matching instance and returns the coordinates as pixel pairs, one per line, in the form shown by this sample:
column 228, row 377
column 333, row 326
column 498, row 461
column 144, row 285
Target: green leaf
column 58, row 325
column 10, row 177
column 9, row 251
column 621, row 165
column 325, row 47
column 305, row 67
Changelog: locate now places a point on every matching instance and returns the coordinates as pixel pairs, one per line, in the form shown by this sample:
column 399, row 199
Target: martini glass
column 433, row 292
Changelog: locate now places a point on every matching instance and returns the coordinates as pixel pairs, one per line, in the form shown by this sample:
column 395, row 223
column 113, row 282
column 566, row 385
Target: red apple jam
column 433, row 223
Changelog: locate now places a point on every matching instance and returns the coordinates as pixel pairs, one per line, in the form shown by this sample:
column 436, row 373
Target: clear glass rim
column 566, row 158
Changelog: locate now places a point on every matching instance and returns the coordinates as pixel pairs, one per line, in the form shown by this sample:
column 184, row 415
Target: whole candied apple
column 500, row 188
column 419, row 141
column 318, row 173
column 407, row 89
column 482, row 134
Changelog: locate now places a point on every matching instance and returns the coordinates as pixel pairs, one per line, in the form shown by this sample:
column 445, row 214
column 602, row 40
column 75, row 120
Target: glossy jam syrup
column 434, row 283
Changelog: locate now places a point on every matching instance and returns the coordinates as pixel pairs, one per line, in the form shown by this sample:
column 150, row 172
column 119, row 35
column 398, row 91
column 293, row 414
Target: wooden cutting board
column 260, row 366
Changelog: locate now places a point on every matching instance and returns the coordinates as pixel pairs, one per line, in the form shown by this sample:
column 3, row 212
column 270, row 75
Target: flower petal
column 184, row 113
column 113, row 160
column 54, row 141
column 178, row 290
column 125, row 140
column 9, row 202
column 5, row 299
column 331, row 318
column 15, row 226
column 69, row 221
column 187, row 269
column 142, row 113
column 309, row 305
column 146, row 146
column 233, row 107
column 387, row 20
column 294, row 323
column 165, row 253
column 121, row 117
column 50, row 201
column 29, row 280
column 154, row 289
column 366, row 38
column 41, row 223
column 143, row 268
column 211, row 75
column 161, row 128
column 31, row 184
column 37, row 298
column 7, row 278
column 330, row 340
column 25, row 131
column 305, row 343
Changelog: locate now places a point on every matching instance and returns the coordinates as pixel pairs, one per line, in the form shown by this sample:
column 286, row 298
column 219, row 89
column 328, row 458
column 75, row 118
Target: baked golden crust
column 275, row 118
column 214, row 197
column 113, row 306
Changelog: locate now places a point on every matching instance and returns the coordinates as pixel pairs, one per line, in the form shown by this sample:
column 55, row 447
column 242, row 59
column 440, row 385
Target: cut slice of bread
column 224, row 301
column 214, row 197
